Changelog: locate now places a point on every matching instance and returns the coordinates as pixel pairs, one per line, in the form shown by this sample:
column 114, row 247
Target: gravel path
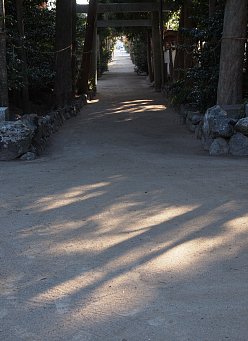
column 124, row 230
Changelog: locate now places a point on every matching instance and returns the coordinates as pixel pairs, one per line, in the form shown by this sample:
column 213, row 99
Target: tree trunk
column 23, row 57
column 84, row 74
column 74, row 59
column 232, row 53
column 3, row 66
column 63, row 62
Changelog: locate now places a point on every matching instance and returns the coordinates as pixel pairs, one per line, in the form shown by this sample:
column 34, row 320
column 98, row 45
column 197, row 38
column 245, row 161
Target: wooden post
column 4, row 102
column 156, row 49
column 232, row 53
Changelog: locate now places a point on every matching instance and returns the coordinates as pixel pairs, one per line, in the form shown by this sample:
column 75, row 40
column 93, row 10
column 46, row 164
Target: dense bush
column 107, row 38
column 38, row 44
column 199, row 83
column 138, row 52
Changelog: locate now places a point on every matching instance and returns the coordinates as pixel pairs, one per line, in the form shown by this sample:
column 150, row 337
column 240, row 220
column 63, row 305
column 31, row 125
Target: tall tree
column 3, row 66
column 63, row 58
column 232, row 52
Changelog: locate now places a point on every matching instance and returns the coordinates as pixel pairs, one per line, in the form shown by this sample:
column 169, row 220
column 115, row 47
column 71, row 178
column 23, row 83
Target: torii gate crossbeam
column 123, row 7
column 124, row 23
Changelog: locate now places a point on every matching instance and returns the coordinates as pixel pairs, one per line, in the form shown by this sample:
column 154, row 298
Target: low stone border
column 27, row 137
column 221, row 132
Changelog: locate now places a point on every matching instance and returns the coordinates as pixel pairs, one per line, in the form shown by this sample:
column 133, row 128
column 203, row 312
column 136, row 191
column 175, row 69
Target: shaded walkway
column 124, row 229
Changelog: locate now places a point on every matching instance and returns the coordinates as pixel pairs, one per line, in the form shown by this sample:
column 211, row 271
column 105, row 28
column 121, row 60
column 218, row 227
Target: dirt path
column 124, row 229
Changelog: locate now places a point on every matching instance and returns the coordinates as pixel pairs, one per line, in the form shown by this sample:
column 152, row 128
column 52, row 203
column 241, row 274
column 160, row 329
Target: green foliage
column 138, row 52
column 13, row 59
column 40, row 41
column 172, row 22
column 107, row 38
column 39, row 44
column 199, row 83
column 105, row 58
column 80, row 35
column 39, row 24
column 199, row 86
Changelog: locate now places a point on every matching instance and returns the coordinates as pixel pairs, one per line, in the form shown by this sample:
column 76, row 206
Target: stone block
column 219, row 147
column 238, row 145
column 242, row 126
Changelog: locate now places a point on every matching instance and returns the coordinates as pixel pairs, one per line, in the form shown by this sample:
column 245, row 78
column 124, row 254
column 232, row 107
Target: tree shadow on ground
column 105, row 261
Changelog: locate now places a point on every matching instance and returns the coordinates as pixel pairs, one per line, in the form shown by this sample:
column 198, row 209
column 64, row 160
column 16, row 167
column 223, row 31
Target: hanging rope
column 51, row 53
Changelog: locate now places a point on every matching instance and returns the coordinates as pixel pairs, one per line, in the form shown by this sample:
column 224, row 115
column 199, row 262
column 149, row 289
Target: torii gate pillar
column 156, row 51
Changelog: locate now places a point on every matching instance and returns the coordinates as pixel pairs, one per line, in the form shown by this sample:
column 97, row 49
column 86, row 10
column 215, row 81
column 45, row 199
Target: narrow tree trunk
column 84, row 74
column 63, row 44
column 3, row 66
column 23, row 57
column 232, row 53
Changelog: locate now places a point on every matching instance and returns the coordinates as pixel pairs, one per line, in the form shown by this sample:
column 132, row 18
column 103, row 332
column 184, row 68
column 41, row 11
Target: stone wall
column 221, row 132
column 27, row 137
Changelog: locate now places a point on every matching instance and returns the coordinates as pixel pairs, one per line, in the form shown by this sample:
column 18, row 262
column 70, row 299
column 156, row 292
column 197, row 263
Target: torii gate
column 154, row 8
